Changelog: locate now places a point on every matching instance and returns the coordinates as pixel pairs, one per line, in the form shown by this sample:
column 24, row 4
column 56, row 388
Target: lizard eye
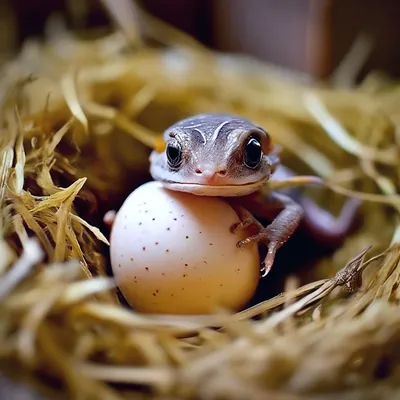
column 253, row 153
column 174, row 155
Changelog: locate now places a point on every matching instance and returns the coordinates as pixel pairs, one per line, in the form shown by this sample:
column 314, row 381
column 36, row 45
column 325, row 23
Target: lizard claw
column 263, row 236
column 246, row 220
column 238, row 226
column 265, row 269
column 269, row 259
column 275, row 234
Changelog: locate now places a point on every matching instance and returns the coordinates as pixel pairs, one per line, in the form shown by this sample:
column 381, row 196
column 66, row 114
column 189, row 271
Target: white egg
column 173, row 252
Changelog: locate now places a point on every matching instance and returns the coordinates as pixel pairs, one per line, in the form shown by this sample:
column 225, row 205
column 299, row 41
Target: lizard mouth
column 230, row 190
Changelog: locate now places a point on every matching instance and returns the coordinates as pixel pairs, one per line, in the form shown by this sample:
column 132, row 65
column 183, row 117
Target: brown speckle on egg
column 144, row 248
column 146, row 268
column 153, row 219
column 168, row 229
column 175, row 219
column 187, row 237
column 186, row 265
column 167, row 250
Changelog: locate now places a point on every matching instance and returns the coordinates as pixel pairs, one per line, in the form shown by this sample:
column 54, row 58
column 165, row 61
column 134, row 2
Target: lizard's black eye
column 174, row 155
column 253, row 154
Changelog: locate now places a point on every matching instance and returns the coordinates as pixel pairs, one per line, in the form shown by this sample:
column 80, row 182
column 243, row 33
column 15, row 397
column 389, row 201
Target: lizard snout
column 210, row 176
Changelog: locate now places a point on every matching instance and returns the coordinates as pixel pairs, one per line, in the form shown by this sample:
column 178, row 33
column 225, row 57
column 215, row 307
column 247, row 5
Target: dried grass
column 78, row 120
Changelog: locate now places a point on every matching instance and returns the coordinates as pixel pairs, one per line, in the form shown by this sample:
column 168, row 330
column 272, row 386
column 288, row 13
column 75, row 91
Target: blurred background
column 310, row 36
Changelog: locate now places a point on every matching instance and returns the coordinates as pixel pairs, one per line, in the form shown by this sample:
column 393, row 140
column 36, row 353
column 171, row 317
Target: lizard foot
column 264, row 236
column 246, row 220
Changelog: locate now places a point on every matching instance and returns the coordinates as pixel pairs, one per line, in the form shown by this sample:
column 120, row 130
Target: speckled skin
column 212, row 164
column 212, row 157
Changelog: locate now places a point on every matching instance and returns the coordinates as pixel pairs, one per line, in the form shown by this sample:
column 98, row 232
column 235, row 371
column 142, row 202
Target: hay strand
column 75, row 144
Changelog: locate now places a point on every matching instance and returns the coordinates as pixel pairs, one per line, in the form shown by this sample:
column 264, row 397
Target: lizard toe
column 262, row 236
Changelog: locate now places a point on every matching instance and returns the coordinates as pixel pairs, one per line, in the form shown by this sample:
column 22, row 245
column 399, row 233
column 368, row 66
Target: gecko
column 215, row 154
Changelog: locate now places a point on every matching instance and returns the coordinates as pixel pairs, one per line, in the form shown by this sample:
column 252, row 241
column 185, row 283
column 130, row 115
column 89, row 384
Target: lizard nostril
column 198, row 171
column 222, row 172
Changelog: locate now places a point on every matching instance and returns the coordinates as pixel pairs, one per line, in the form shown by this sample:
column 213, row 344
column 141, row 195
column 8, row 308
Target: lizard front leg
column 328, row 230
column 286, row 215
column 285, row 223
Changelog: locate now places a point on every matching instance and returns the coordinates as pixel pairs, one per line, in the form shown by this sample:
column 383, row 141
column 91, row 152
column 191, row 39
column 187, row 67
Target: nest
column 79, row 118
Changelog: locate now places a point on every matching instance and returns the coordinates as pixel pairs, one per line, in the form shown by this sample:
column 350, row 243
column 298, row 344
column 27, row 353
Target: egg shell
column 173, row 252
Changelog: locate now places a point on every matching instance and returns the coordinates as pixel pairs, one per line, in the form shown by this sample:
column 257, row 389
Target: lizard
column 216, row 154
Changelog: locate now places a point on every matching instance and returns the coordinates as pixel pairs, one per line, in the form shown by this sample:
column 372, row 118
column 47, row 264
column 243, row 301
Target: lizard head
column 214, row 155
